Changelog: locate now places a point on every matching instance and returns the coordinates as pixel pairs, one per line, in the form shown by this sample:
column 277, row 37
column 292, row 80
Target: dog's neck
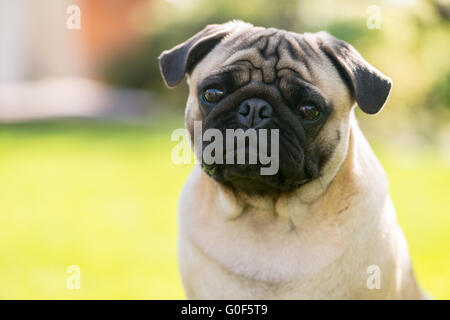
column 336, row 185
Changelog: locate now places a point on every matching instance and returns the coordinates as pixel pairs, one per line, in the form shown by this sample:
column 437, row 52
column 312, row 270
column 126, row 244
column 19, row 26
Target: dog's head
column 304, row 85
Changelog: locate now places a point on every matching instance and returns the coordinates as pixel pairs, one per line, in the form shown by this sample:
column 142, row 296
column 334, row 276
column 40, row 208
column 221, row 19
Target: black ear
column 178, row 61
column 369, row 86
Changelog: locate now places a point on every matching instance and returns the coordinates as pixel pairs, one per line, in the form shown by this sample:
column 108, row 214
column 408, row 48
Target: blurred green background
column 96, row 188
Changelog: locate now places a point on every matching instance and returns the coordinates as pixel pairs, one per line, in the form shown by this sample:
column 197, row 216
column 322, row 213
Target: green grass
column 104, row 196
column 420, row 188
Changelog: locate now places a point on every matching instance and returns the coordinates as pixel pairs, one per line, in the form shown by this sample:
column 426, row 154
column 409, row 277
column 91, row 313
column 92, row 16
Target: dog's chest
column 313, row 252
column 259, row 251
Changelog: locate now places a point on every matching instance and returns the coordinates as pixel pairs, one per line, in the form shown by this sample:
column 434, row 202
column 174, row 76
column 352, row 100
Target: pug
column 323, row 226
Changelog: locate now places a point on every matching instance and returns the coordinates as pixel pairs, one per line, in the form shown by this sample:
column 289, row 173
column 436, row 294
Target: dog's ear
column 369, row 86
column 181, row 60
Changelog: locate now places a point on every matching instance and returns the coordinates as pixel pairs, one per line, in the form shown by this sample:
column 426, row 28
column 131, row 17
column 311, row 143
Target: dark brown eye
column 309, row 112
column 212, row 95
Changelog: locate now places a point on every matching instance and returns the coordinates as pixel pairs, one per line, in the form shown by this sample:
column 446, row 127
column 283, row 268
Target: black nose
column 254, row 113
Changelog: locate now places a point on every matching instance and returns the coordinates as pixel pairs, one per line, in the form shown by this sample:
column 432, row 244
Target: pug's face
column 252, row 78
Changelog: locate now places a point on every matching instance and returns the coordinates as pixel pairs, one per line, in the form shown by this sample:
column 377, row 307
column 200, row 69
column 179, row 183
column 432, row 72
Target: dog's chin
column 247, row 178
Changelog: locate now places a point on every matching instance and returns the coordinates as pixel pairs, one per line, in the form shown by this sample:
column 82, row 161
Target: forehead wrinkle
column 314, row 60
column 305, row 43
column 254, row 57
column 260, row 50
column 292, row 57
column 271, row 50
column 272, row 43
column 258, row 61
column 253, row 38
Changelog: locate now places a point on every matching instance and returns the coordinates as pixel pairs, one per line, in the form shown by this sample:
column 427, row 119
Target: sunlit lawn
column 104, row 197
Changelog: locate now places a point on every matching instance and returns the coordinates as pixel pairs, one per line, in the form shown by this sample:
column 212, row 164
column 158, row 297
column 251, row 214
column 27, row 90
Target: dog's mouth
column 283, row 173
column 247, row 178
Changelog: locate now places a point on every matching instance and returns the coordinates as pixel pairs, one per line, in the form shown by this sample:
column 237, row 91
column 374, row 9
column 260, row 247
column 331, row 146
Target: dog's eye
column 212, row 95
column 309, row 112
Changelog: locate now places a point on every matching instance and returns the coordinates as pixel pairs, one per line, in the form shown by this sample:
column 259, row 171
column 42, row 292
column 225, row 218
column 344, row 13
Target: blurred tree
column 443, row 7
